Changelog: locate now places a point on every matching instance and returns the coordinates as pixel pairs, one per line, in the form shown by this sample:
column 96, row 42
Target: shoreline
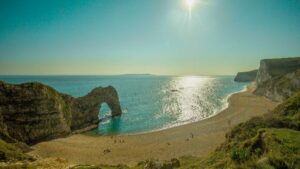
column 196, row 138
column 91, row 132
column 191, row 122
column 250, row 86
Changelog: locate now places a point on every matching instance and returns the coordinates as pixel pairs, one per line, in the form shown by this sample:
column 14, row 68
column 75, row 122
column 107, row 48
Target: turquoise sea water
column 149, row 102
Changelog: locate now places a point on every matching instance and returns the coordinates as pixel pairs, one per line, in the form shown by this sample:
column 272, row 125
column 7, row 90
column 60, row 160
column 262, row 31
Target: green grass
column 11, row 153
column 270, row 148
column 271, row 141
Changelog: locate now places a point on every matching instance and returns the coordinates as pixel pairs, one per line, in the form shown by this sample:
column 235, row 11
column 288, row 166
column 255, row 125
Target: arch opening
column 105, row 112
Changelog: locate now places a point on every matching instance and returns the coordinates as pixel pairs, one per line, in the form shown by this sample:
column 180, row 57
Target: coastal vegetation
column 271, row 141
column 12, row 153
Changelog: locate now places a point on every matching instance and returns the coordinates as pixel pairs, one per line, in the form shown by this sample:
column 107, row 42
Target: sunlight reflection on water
column 189, row 99
column 174, row 101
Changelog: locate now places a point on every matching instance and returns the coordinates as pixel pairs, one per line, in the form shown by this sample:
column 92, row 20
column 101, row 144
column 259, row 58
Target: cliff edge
column 246, row 76
column 278, row 79
column 33, row 112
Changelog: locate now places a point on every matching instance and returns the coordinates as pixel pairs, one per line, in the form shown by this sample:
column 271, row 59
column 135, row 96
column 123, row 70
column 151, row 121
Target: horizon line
column 126, row 74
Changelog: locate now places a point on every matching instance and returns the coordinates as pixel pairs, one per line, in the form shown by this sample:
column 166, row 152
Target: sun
column 190, row 3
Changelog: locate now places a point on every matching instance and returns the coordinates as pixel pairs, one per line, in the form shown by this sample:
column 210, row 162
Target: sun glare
column 190, row 3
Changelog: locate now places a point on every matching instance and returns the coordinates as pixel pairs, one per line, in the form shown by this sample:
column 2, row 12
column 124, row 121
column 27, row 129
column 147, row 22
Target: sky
column 164, row 37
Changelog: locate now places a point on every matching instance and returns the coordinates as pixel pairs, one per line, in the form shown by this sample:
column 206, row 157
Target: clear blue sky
column 145, row 36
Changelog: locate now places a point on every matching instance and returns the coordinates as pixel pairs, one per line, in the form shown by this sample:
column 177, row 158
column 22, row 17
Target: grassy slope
column 271, row 141
column 269, row 148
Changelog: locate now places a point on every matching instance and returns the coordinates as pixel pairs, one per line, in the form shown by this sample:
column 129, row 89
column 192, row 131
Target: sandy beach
column 195, row 139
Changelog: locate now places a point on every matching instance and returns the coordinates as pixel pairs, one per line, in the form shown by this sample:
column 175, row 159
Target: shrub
column 239, row 154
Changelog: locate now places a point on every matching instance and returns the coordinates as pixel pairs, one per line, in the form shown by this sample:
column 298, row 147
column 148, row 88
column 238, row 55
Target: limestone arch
column 87, row 107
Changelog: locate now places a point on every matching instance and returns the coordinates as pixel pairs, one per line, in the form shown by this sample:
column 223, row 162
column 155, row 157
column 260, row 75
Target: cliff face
column 246, row 76
column 32, row 112
column 277, row 79
column 272, row 68
column 280, row 88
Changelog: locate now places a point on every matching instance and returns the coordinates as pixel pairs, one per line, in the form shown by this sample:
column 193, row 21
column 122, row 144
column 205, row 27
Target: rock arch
column 33, row 112
column 86, row 109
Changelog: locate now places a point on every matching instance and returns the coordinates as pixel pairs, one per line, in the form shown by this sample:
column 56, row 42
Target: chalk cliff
column 246, row 76
column 277, row 79
column 33, row 112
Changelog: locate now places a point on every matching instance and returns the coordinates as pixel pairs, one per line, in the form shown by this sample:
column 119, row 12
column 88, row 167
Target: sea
column 149, row 102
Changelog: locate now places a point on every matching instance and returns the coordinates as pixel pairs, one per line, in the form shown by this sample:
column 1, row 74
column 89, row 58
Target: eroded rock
column 32, row 112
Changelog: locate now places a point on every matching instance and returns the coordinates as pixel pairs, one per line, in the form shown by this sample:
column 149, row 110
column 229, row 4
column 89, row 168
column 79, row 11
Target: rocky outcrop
column 33, row 112
column 277, row 79
column 280, row 88
column 246, row 76
column 86, row 109
column 272, row 68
